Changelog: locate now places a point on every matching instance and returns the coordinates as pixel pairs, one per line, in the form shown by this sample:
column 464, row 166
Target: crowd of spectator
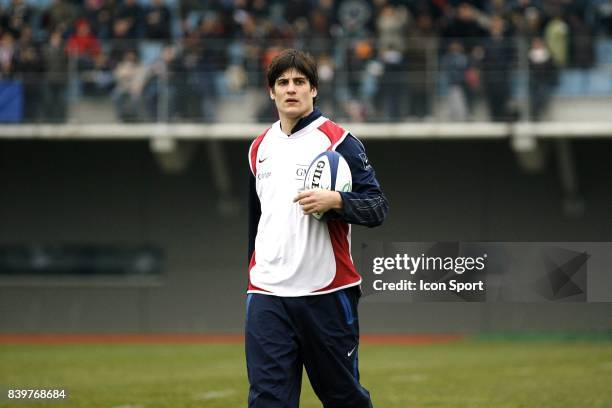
column 378, row 59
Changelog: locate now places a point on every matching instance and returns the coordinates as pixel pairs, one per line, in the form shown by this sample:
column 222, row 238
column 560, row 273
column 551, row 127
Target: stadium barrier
column 246, row 131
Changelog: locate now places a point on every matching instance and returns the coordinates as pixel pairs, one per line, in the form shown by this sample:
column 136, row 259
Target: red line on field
column 118, row 338
column 177, row 338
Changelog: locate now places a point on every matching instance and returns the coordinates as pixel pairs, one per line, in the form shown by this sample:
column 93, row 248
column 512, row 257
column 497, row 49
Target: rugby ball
column 328, row 171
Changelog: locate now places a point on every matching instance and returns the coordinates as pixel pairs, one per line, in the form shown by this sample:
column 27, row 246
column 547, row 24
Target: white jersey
column 295, row 254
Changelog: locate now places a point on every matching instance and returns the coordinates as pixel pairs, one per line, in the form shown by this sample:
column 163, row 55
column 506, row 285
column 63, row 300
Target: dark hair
column 291, row 58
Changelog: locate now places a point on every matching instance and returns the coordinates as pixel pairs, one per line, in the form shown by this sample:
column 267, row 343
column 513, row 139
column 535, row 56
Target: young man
column 303, row 287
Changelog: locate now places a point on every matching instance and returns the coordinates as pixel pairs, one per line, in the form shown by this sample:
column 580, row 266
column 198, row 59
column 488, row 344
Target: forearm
column 368, row 210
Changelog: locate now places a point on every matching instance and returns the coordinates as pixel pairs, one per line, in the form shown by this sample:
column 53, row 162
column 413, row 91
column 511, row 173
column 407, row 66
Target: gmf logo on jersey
column 300, row 171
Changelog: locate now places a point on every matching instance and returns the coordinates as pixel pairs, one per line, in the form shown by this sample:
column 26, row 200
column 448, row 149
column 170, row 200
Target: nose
column 291, row 87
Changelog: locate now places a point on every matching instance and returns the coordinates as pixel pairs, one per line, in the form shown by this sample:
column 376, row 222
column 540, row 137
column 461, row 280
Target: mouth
column 291, row 100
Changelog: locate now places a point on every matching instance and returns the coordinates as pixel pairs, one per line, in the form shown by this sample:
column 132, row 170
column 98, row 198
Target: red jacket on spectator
column 83, row 42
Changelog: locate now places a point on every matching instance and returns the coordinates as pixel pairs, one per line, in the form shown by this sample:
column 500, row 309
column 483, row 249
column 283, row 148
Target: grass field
column 468, row 373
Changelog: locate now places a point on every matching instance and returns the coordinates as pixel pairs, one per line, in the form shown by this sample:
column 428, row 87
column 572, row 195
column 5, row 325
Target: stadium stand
column 195, row 60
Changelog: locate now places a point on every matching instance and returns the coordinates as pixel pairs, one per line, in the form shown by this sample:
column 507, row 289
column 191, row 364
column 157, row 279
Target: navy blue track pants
column 319, row 333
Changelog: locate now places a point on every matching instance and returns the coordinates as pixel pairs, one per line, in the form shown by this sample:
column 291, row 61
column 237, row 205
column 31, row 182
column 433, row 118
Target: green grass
column 465, row 374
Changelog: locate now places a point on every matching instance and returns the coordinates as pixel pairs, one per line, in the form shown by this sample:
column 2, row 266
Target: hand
column 319, row 201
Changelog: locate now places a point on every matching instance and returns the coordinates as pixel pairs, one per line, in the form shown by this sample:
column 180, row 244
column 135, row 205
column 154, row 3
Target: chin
column 294, row 112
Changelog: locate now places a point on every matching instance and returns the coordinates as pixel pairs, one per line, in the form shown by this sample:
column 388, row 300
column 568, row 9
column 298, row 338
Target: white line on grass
column 606, row 365
column 129, row 406
column 409, row 378
column 212, row 395
column 524, row 371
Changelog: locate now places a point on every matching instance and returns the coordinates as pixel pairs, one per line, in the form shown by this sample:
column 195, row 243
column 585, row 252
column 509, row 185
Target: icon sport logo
column 329, row 171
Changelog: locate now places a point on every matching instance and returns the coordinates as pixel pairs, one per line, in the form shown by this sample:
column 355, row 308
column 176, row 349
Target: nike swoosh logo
column 351, row 352
column 263, row 160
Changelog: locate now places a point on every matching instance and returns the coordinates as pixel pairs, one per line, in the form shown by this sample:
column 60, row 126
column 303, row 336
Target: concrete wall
column 107, row 192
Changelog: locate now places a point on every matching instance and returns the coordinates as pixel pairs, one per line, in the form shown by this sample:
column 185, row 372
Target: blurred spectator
column 295, row 9
column 391, row 25
column 188, row 87
column 259, row 9
column 250, row 48
column 122, row 41
column 60, row 15
column 465, row 23
column 191, row 11
column 421, row 48
column 355, row 18
column 300, row 32
column 556, row 34
column 521, row 5
column 320, row 41
column 500, row 8
column 209, row 53
column 130, row 77
column 543, row 77
column 101, row 15
column 582, row 46
column 83, row 45
column 528, row 22
column 473, row 86
column 603, row 15
column 7, row 55
column 205, row 81
column 98, row 81
column 267, row 111
column 18, row 16
column 157, row 21
column 160, row 91
column 56, row 78
column 26, row 38
column 132, row 14
column 455, row 63
column 496, row 69
column 392, row 103
column 327, row 75
column 363, row 73
column 29, row 66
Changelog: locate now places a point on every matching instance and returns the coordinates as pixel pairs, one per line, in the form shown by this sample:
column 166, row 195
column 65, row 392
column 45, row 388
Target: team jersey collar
column 306, row 120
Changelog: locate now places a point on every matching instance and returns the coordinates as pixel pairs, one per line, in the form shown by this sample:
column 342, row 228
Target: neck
column 287, row 124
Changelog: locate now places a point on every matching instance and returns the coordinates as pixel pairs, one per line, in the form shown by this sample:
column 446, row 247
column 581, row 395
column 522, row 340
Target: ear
column 272, row 94
column 313, row 92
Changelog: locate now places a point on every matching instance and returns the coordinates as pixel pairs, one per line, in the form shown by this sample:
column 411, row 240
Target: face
column 293, row 94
